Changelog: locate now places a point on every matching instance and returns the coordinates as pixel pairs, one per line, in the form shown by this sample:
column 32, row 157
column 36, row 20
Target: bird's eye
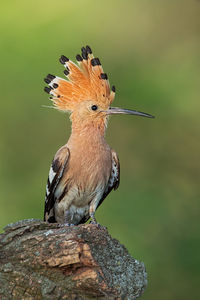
column 94, row 107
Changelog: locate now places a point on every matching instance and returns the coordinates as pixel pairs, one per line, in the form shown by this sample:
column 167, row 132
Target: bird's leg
column 92, row 216
column 92, row 209
column 67, row 218
column 94, row 221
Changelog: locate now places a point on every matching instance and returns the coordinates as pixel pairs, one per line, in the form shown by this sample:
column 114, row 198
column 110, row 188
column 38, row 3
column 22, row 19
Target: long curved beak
column 117, row 110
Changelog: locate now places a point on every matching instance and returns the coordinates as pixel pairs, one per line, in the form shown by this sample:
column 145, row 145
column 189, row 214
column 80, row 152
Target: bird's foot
column 67, row 219
column 94, row 221
column 66, row 225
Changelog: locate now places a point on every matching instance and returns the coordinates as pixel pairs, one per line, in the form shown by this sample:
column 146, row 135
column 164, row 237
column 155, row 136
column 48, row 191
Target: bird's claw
column 94, row 221
column 66, row 224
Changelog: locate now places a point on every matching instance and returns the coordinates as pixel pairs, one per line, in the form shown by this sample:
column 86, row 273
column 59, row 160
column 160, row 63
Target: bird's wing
column 114, row 179
column 57, row 168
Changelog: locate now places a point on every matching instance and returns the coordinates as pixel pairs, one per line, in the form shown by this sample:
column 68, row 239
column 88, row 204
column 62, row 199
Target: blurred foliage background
column 150, row 50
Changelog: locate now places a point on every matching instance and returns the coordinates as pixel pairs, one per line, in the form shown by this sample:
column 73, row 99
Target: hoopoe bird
column 86, row 169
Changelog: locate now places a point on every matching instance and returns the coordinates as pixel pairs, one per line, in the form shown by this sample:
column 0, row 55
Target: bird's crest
column 85, row 81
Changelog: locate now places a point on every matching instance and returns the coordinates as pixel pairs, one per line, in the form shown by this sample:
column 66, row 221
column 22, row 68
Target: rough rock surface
column 47, row 261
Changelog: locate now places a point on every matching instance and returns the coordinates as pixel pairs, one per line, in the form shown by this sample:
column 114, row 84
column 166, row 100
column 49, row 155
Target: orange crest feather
column 84, row 82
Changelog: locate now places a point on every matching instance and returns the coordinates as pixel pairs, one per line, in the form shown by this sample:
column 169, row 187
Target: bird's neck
column 88, row 133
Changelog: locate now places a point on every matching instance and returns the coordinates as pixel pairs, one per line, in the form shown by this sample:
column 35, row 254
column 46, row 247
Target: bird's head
column 86, row 93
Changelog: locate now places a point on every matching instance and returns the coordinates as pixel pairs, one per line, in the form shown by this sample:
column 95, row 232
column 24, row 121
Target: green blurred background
column 150, row 50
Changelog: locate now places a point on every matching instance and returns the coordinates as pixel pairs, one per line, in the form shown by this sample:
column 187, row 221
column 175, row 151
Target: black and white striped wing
column 57, row 169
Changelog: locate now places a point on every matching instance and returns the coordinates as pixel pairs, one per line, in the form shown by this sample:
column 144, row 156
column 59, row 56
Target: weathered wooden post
column 47, row 261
